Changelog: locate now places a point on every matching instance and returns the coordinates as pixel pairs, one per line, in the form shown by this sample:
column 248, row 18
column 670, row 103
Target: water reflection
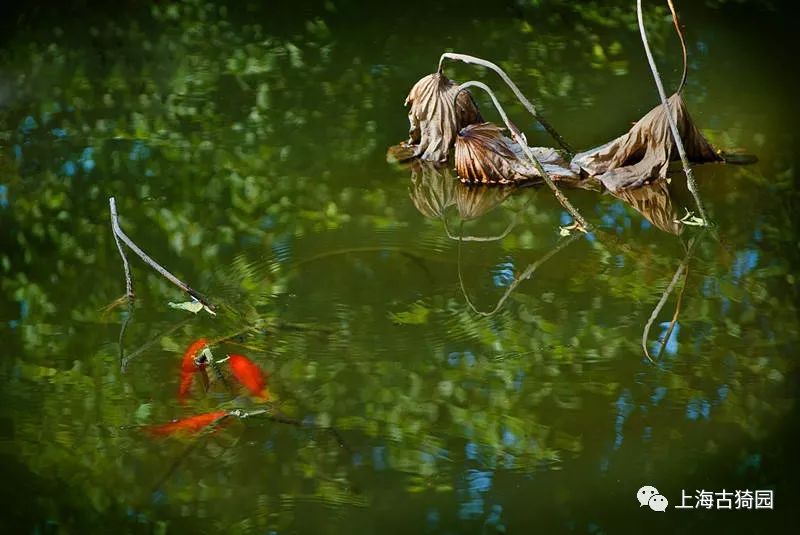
column 654, row 202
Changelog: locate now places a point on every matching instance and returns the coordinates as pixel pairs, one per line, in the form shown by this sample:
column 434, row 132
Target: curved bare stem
column 115, row 226
column 118, row 233
column 677, row 23
column 670, row 119
column 519, row 137
column 525, row 102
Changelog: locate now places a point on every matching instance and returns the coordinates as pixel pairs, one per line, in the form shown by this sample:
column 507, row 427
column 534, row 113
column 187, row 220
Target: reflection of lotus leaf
column 644, row 152
column 435, row 116
column 655, row 204
column 432, row 189
column 473, row 202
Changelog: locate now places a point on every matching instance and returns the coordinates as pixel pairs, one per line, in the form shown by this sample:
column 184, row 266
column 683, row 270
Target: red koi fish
column 250, row 375
column 190, row 425
column 190, row 366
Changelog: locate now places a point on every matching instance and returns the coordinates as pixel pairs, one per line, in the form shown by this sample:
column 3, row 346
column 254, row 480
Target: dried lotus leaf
column 436, row 116
column 485, row 156
column 644, row 152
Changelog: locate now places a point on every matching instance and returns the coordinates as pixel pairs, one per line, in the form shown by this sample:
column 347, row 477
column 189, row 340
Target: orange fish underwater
column 250, row 375
column 190, row 366
column 193, row 424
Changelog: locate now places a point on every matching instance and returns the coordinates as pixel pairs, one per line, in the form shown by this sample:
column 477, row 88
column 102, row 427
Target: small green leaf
column 416, row 315
column 192, row 306
column 142, row 414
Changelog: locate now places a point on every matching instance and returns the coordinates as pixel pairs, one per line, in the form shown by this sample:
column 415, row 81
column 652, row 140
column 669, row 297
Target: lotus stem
column 524, row 101
column 125, row 265
column 120, row 235
column 670, row 119
column 677, row 23
column 519, row 137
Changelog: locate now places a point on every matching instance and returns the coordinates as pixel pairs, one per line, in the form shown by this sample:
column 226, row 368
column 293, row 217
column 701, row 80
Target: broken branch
column 118, row 233
column 115, row 226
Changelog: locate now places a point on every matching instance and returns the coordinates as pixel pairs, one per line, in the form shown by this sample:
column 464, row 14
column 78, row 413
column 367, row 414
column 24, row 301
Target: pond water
column 441, row 360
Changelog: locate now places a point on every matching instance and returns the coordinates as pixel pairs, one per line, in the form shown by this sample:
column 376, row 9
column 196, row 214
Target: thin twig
column 149, row 261
column 114, row 226
column 525, row 102
column 677, row 23
column 519, row 137
column 670, row 119
column 525, row 275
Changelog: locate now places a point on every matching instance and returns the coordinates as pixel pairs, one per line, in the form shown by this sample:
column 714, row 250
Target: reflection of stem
column 365, row 249
column 150, row 343
column 690, row 182
column 528, row 273
column 506, row 232
column 122, row 330
column 276, row 416
column 525, row 102
column 148, row 260
column 187, row 451
column 675, row 315
column 519, row 137
column 671, row 286
column 270, row 414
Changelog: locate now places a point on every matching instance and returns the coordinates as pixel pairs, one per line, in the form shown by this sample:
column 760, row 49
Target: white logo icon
column 649, row 496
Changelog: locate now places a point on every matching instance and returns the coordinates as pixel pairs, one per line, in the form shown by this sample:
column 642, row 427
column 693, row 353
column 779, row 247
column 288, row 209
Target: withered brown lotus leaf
column 436, row 117
column 653, row 201
column 432, row 188
column 484, row 155
column 644, row 152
